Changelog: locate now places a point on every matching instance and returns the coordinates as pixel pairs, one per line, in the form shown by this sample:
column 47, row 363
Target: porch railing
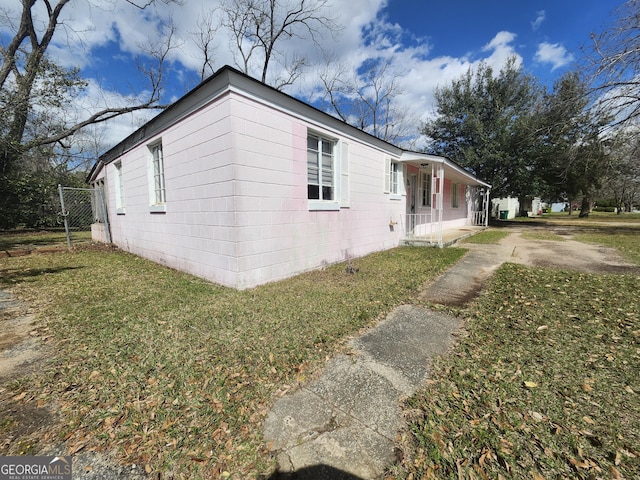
column 419, row 226
column 478, row 218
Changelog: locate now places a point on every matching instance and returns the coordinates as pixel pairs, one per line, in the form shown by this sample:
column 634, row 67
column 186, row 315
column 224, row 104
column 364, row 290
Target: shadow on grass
column 11, row 276
column 16, row 239
column 574, row 227
column 315, row 472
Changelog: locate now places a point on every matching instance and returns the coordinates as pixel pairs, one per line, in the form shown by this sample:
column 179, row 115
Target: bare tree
column 614, row 63
column 369, row 99
column 259, row 27
column 204, row 37
column 38, row 98
column 25, row 62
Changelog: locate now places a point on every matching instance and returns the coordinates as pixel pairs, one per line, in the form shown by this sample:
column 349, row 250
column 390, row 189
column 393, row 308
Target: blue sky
column 461, row 28
column 427, row 43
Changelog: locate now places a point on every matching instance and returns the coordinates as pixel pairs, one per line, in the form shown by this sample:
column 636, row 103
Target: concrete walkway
column 344, row 425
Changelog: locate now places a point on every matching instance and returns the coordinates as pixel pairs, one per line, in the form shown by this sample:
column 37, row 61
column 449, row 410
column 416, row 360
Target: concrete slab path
column 344, row 425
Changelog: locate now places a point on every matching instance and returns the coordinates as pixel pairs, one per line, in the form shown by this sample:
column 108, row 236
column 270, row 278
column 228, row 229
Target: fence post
column 64, row 215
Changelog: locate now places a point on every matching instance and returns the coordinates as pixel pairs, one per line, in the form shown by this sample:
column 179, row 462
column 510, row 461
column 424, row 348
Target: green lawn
column 545, row 383
column 32, row 240
column 490, row 236
column 177, row 374
column 574, row 218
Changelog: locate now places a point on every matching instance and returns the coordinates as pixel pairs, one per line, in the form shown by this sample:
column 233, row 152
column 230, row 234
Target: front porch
column 447, row 237
column 444, row 202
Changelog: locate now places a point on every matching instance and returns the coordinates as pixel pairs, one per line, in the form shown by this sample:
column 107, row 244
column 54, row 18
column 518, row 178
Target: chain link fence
column 84, row 213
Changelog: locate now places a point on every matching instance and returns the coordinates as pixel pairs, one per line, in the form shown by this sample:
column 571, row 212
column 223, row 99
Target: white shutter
column 344, row 175
column 402, row 188
column 387, row 175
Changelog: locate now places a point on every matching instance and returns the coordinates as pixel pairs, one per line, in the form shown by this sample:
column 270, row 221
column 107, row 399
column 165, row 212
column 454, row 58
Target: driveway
column 464, row 280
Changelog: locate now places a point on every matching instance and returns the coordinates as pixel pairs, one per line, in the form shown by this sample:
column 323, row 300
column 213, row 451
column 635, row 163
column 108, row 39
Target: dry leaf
column 21, row 396
column 615, row 473
column 530, row 384
column 537, row 416
column 628, row 389
column 578, row 464
column 542, row 327
column 589, row 420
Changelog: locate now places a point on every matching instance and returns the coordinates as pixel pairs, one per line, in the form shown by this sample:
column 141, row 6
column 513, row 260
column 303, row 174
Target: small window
column 455, row 195
column 320, row 168
column 394, row 178
column 157, row 190
column 425, row 186
column 119, row 188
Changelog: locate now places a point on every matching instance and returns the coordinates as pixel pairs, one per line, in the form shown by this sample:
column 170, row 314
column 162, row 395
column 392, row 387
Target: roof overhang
column 227, row 80
column 452, row 170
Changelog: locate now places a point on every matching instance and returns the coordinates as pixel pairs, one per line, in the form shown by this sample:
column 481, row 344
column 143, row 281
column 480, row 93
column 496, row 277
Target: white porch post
column 486, row 206
column 439, row 202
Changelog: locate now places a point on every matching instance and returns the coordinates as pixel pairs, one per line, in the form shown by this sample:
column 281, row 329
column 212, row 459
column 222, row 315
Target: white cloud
column 553, row 53
column 119, row 30
column 501, row 48
column 541, row 16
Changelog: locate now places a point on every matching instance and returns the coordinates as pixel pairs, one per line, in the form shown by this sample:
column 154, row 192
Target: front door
column 412, row 191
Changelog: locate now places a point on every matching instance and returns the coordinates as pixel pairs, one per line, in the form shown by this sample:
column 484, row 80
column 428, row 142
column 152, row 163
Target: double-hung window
column 393, row 178
column 455, row 195
column 425, row 187
column 321, row 168
column 156, row 173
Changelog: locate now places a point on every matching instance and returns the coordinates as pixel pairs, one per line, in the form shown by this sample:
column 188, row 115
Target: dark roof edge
column 221, row 82
column 216, row 84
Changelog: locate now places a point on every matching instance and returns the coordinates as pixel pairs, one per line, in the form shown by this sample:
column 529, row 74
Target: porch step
column 449, row 238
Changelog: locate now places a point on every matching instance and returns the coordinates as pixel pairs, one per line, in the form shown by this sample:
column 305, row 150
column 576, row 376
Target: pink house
column 242, row 185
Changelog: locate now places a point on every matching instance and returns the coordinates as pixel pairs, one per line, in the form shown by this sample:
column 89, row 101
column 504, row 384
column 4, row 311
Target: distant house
column 241, row 184
column 509, row 207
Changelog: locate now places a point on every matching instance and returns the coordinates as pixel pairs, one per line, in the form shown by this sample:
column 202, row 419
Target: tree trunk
column 585, row 209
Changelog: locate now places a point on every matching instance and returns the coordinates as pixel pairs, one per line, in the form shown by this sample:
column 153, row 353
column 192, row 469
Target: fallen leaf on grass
column 530, row 384
column 578, row 463
column 589, row 420
column 615, row 473
column 537, row 416
column 20, row 397
column 628, row 389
